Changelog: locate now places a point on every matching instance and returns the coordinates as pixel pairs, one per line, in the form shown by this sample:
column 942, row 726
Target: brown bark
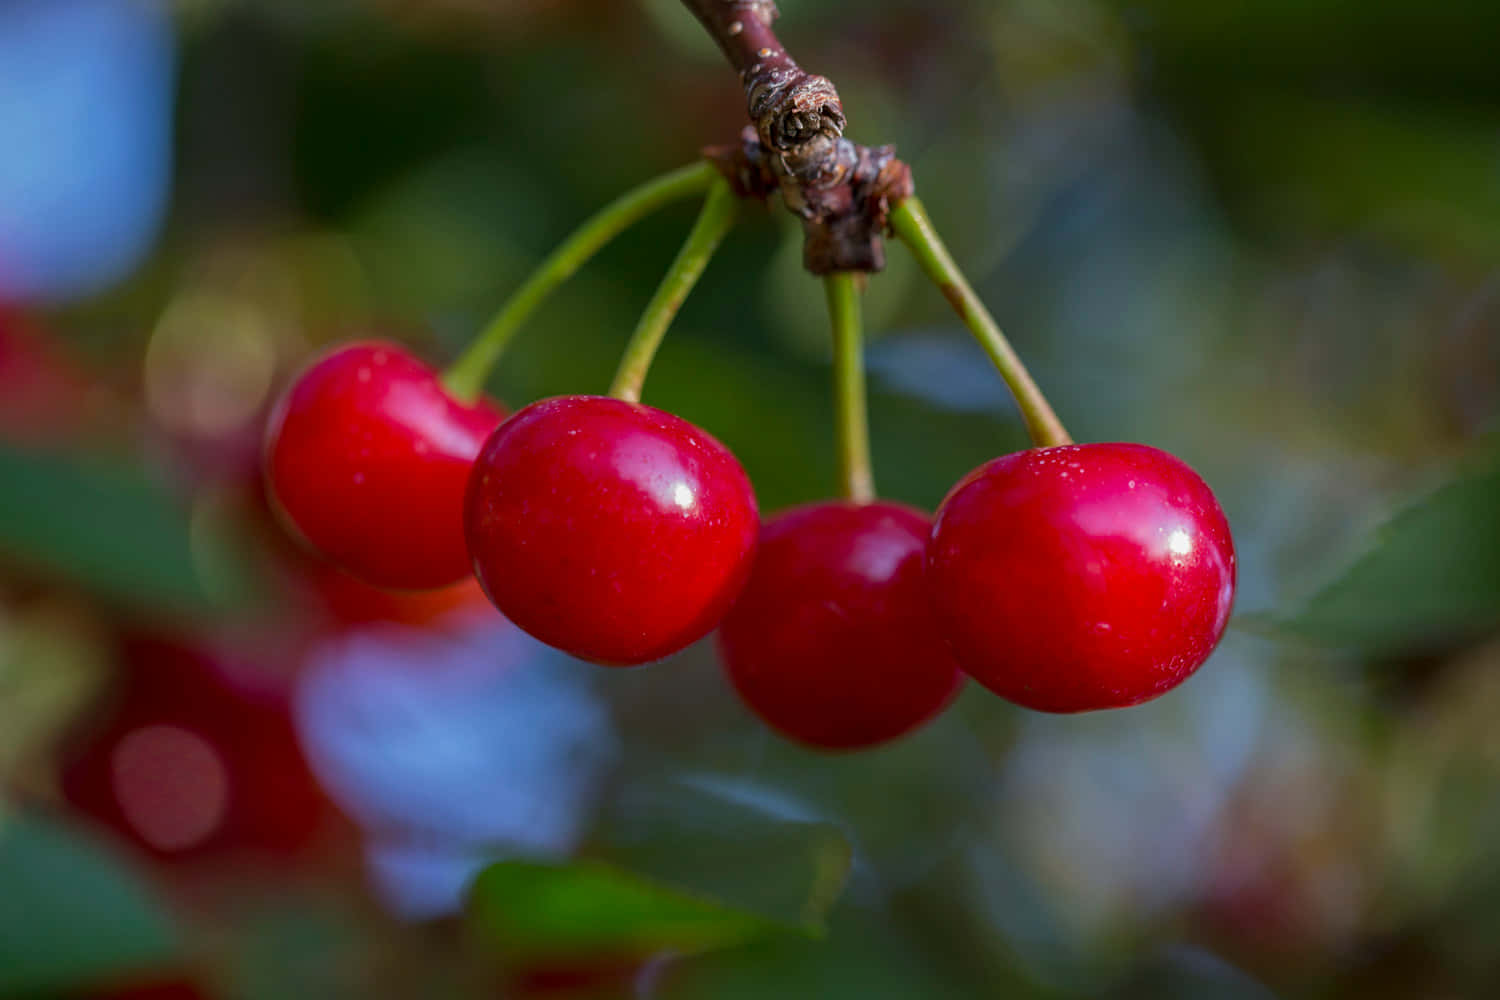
column 842, row 191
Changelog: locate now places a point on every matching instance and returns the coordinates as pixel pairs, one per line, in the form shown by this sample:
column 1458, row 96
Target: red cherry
column 1083, row 576
column 45, row 397
column 166, row 989
column 196, row 757
column 351, row 602
column 833, row 641
column 613, row 531
column 593, row 977
column 367, row 457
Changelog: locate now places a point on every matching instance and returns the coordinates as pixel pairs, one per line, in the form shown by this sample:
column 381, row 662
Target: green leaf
column 1184, row 973
column 535, row 911
column 710, row 835
column 109, row 529
column 1431, row 575
column 863, row 958
column 70, row 913
column 294, row 940
column 1342, row 164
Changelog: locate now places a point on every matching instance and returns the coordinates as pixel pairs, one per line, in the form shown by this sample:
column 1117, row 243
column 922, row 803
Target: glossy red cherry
column 833, row 641
column 367, row 457
column 611, row 530
column 1081, row 577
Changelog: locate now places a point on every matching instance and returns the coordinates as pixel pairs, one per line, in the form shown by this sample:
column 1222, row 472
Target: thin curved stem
column 851, row 412
column 714, row 221
column 465, row 378
column 910, row 222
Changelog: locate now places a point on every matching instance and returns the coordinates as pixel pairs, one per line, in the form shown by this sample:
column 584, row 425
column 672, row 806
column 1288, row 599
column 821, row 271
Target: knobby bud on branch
column 842, row 191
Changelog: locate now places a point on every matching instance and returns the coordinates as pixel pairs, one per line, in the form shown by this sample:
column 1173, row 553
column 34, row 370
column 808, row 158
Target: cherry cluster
column 1063, row 578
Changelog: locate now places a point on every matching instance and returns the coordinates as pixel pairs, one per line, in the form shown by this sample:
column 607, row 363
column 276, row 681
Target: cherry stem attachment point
column 851, row 412
column 713, row 223
column 909, row 221
column 465, row 378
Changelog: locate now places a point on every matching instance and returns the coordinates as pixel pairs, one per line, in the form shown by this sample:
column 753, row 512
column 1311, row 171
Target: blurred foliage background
column 1264, row 236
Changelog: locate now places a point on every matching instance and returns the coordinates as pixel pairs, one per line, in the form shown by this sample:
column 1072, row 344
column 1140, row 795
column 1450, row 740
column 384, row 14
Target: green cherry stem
column 465, row 378
column 714, row 221
column 910, row 222
column 851, row 413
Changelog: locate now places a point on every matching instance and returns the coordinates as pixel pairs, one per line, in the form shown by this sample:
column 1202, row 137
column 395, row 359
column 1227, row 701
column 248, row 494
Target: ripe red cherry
column 367, row 457
column 611, row 530
column 832, row 641
column 1081, row 577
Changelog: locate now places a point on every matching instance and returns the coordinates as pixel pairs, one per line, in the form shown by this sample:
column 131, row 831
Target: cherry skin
column 1081, row 577
column 833, row 642
column 610, row 530
column 367, row 458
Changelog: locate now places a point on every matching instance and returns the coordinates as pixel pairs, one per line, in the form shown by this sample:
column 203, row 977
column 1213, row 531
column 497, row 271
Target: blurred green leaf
column 451, row 234
column 109, row 529
column 1184, row 973
column 862, row 960
column 732, row 842
column 1431, row 574
column 535, row 911
column 1420, row 176
column 304, row 941
column 367, row 112
column 1440, row 47
column 70, row 913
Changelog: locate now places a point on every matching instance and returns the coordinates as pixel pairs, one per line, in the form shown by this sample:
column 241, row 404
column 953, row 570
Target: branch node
column 843, row 192
column 745, row 165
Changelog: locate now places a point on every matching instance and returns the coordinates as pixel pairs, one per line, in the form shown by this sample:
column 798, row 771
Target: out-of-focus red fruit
column 42, row 391
column 174, row 989
column 352, row 602
column 196, row 756
column 580, row 980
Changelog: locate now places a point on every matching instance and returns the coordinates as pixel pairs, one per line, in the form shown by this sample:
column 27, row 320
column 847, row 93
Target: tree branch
column 842, row 191
column 794, row 112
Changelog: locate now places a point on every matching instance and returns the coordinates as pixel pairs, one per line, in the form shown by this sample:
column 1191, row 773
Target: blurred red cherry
column 42, row 390
column 584, row 978
column 165, row 989
column 351, row 602
column 196, row 755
